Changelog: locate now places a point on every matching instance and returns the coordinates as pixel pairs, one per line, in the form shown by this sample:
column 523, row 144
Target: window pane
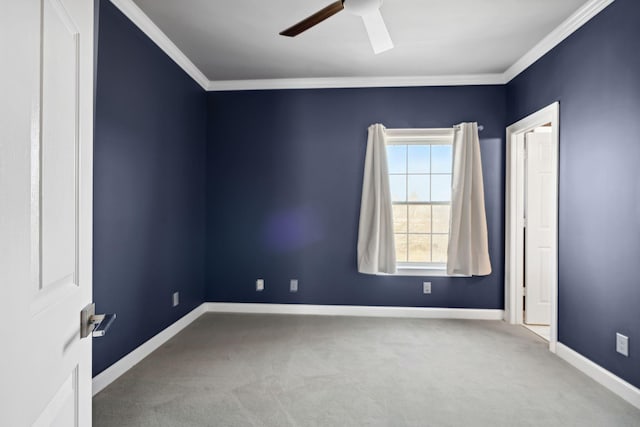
column 441, row 158
column 401, row 247
column 419, row 158
column 440, row 245
column 441, row 218
column 418, row 188
column 397, row 158
column 398, row 185
column 440, row 188
column 400, row 218
column 419, row 248
column 420, row 219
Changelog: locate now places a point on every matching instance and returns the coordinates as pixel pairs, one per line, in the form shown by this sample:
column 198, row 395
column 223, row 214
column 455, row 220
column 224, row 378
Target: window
column 420, row 167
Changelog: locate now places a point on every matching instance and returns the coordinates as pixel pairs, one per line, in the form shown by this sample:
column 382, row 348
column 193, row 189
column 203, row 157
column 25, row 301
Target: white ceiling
column 238, row 39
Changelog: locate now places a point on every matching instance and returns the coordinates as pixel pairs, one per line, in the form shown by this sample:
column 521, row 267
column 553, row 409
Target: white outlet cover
column 426, row 287
column 175, row 299
column 622, row 344
column 293, row 285
column 260, row 285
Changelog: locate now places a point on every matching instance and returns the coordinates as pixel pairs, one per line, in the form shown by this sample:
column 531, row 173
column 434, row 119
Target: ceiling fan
column 369, row 10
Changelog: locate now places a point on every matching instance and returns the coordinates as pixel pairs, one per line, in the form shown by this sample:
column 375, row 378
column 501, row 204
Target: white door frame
column 514, row 232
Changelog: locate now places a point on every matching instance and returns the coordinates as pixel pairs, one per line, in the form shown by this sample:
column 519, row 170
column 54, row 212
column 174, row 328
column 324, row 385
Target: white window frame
column 427, row 136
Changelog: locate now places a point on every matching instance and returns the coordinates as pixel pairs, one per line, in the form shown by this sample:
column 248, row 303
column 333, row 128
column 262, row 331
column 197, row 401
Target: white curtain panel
column 468, row 252
column 376, row 246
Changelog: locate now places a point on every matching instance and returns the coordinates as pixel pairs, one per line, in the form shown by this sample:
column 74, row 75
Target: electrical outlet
column 293, row 285
column 260, row 285
column 175, row 299
column 426, row 287
column 622, row 344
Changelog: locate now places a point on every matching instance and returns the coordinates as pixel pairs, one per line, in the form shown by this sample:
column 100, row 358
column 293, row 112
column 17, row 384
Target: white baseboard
column 114, row 371
column 356, row 310
column 614, row 383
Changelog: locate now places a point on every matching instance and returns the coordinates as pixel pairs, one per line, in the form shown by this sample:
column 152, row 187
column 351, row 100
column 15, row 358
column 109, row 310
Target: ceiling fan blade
column 377, row 31
column 314, row 19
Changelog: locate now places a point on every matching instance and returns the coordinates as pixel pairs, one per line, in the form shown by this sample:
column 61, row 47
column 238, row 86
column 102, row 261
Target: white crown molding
column 356, row 310
column 147, row 26
column 113, row 372
column 357, row 82
column 617, row 385
column 564, row 30
column 568, row 27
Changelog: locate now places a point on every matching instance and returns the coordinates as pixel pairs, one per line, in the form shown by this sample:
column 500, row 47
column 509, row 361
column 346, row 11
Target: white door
column 46, row 143
column 540, row 240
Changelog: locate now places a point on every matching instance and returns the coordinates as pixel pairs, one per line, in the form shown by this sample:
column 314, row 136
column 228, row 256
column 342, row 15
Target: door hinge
column 524, row 222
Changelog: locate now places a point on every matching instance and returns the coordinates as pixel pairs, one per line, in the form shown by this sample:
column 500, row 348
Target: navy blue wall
column 149, row 187
column 279, row 177
column 595, row 74
column 284, row 183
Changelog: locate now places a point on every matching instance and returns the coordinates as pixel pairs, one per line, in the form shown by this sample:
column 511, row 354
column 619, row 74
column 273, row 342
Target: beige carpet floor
column 273, row 370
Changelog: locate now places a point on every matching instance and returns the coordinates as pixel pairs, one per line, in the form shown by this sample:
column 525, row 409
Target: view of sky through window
column 420, row 183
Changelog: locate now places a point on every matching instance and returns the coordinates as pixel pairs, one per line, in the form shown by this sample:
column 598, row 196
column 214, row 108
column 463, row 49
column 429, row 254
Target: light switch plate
column 175, row 299
column 293, row 285
column 260, row 285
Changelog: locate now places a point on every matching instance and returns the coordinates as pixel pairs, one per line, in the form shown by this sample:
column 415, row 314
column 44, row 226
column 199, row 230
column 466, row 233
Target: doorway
column 531, row 256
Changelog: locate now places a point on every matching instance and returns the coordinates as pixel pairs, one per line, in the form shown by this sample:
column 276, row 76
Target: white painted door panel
column 46, row 147
column 540, row 244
